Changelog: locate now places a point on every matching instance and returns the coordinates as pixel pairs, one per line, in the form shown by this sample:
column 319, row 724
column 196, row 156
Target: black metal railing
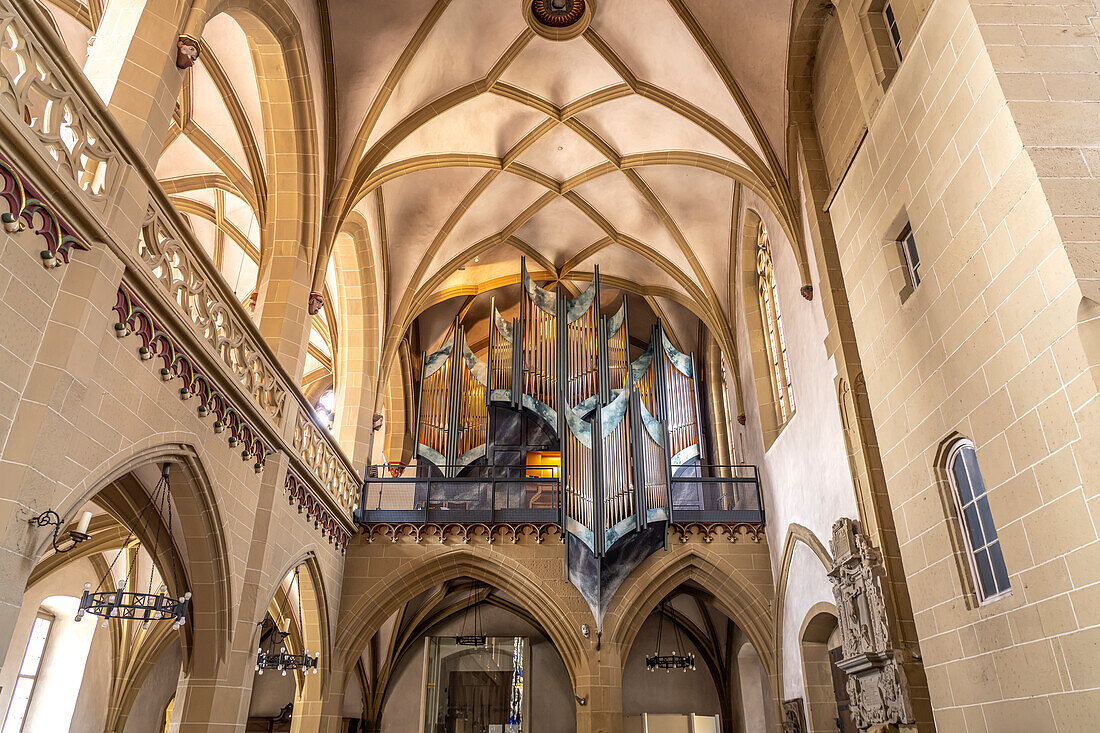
column 717, row 494
column 487, row 494
column 515, row 494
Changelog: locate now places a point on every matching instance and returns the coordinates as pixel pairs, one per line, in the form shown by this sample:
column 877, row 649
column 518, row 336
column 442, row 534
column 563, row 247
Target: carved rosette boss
column 877, row 684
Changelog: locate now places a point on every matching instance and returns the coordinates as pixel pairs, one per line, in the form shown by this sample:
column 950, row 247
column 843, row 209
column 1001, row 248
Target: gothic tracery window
column 773, row 328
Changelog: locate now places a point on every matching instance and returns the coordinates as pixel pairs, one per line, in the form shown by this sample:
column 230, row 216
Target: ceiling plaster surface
column 559, row 231
column 659, row 49
column 682, row 65
column 416, row 207
column 561, row 154
column 754, row 46
column 560, row 72
column 701, row 202
column 213, row 118
column 468, row 39
column 183, row 158
column 484, row 125
column 227, row 42
column 367, row 40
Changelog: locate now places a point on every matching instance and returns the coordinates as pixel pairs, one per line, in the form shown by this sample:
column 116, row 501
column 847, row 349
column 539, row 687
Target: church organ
column 624, row 428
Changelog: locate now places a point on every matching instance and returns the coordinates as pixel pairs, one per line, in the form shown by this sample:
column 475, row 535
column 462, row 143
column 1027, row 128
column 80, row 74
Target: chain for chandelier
column 668, row 662
column 478, row 637
column 282, row 660
column 128, row 604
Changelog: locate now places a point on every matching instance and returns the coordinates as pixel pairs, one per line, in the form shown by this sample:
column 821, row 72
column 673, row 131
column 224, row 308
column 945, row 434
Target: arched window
column 979, row 532
column 773, row 328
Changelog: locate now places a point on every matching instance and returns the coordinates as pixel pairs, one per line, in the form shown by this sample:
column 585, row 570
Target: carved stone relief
column 794, row 716
column 877, row 684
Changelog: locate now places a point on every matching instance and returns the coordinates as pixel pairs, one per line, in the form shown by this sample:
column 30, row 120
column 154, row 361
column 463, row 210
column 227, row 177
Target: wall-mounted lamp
column 50, row 518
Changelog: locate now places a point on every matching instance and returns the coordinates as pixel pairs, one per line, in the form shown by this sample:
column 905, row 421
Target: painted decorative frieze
column 710, row 531
column 464, row 533
column 299, row 493
column 877, row 685
column 25, row 209
column 178, row 366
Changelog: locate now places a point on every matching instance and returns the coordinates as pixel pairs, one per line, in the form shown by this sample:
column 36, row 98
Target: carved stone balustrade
column 197, row 290
column 316, row 448
column 34, row 89
column 61, row 172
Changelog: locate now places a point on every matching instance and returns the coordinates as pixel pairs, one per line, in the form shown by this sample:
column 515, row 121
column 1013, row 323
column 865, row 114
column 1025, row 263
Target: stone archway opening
column 71, row 669
column 291, row 654
column 728, row 691
column 826, row 696
column 462, row 655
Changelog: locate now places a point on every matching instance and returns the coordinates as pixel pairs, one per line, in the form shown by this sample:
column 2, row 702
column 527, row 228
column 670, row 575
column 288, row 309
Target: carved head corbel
column 187, row 52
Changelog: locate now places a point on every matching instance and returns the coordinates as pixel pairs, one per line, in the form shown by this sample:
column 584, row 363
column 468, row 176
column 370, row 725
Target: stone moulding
column 298, row 492
column 464, row 533
column 539, row 532
column 710, row 531
column 191, row 286
column 27, row 209
column 134, row 318
column 35, row 93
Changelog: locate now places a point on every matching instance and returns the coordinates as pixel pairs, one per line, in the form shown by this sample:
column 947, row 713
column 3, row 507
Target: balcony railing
column 718, row 494
column 508, row 495
column 53, row 120
column 488, row 495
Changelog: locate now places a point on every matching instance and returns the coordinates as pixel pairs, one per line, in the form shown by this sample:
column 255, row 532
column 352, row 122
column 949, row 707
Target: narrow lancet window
column 773, row 328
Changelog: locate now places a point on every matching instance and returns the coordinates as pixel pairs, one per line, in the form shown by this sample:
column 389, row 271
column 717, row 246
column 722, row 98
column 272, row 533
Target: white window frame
column 975, row 576
column 48, row 618
column 912, row 269
column 890, row 18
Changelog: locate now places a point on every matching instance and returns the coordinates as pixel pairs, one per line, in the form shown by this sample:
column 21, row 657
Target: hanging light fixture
column 124, row 603
column 669, row 662
column 282, row 660
column 477, row 638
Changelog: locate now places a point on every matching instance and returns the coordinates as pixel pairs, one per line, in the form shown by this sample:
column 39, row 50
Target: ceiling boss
column 558, row 20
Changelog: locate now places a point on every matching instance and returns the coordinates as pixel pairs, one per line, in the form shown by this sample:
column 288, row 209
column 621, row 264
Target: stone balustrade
column 191, row 282
column 33, row 88
column 171, row 295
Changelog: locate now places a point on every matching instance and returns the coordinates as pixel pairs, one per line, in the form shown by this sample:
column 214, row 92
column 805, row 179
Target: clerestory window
column 772, row 318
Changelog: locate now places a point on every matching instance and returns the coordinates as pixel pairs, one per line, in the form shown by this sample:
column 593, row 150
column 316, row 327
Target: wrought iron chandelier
column 125, row 603
column 477, row 638
column 282, row 660
column 675, row 660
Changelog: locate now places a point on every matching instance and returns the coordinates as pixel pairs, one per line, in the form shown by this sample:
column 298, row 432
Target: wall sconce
column 50, row 518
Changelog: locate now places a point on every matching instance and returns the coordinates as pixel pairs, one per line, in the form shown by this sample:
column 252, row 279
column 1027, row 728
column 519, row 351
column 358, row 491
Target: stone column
column 213, row 694
column 132, row 64
column 602, row 692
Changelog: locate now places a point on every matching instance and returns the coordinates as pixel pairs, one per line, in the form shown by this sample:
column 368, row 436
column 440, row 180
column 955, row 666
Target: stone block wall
column 987, row 347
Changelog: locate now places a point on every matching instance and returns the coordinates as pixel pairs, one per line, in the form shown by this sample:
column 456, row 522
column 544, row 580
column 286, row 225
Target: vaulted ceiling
column 461, row 139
